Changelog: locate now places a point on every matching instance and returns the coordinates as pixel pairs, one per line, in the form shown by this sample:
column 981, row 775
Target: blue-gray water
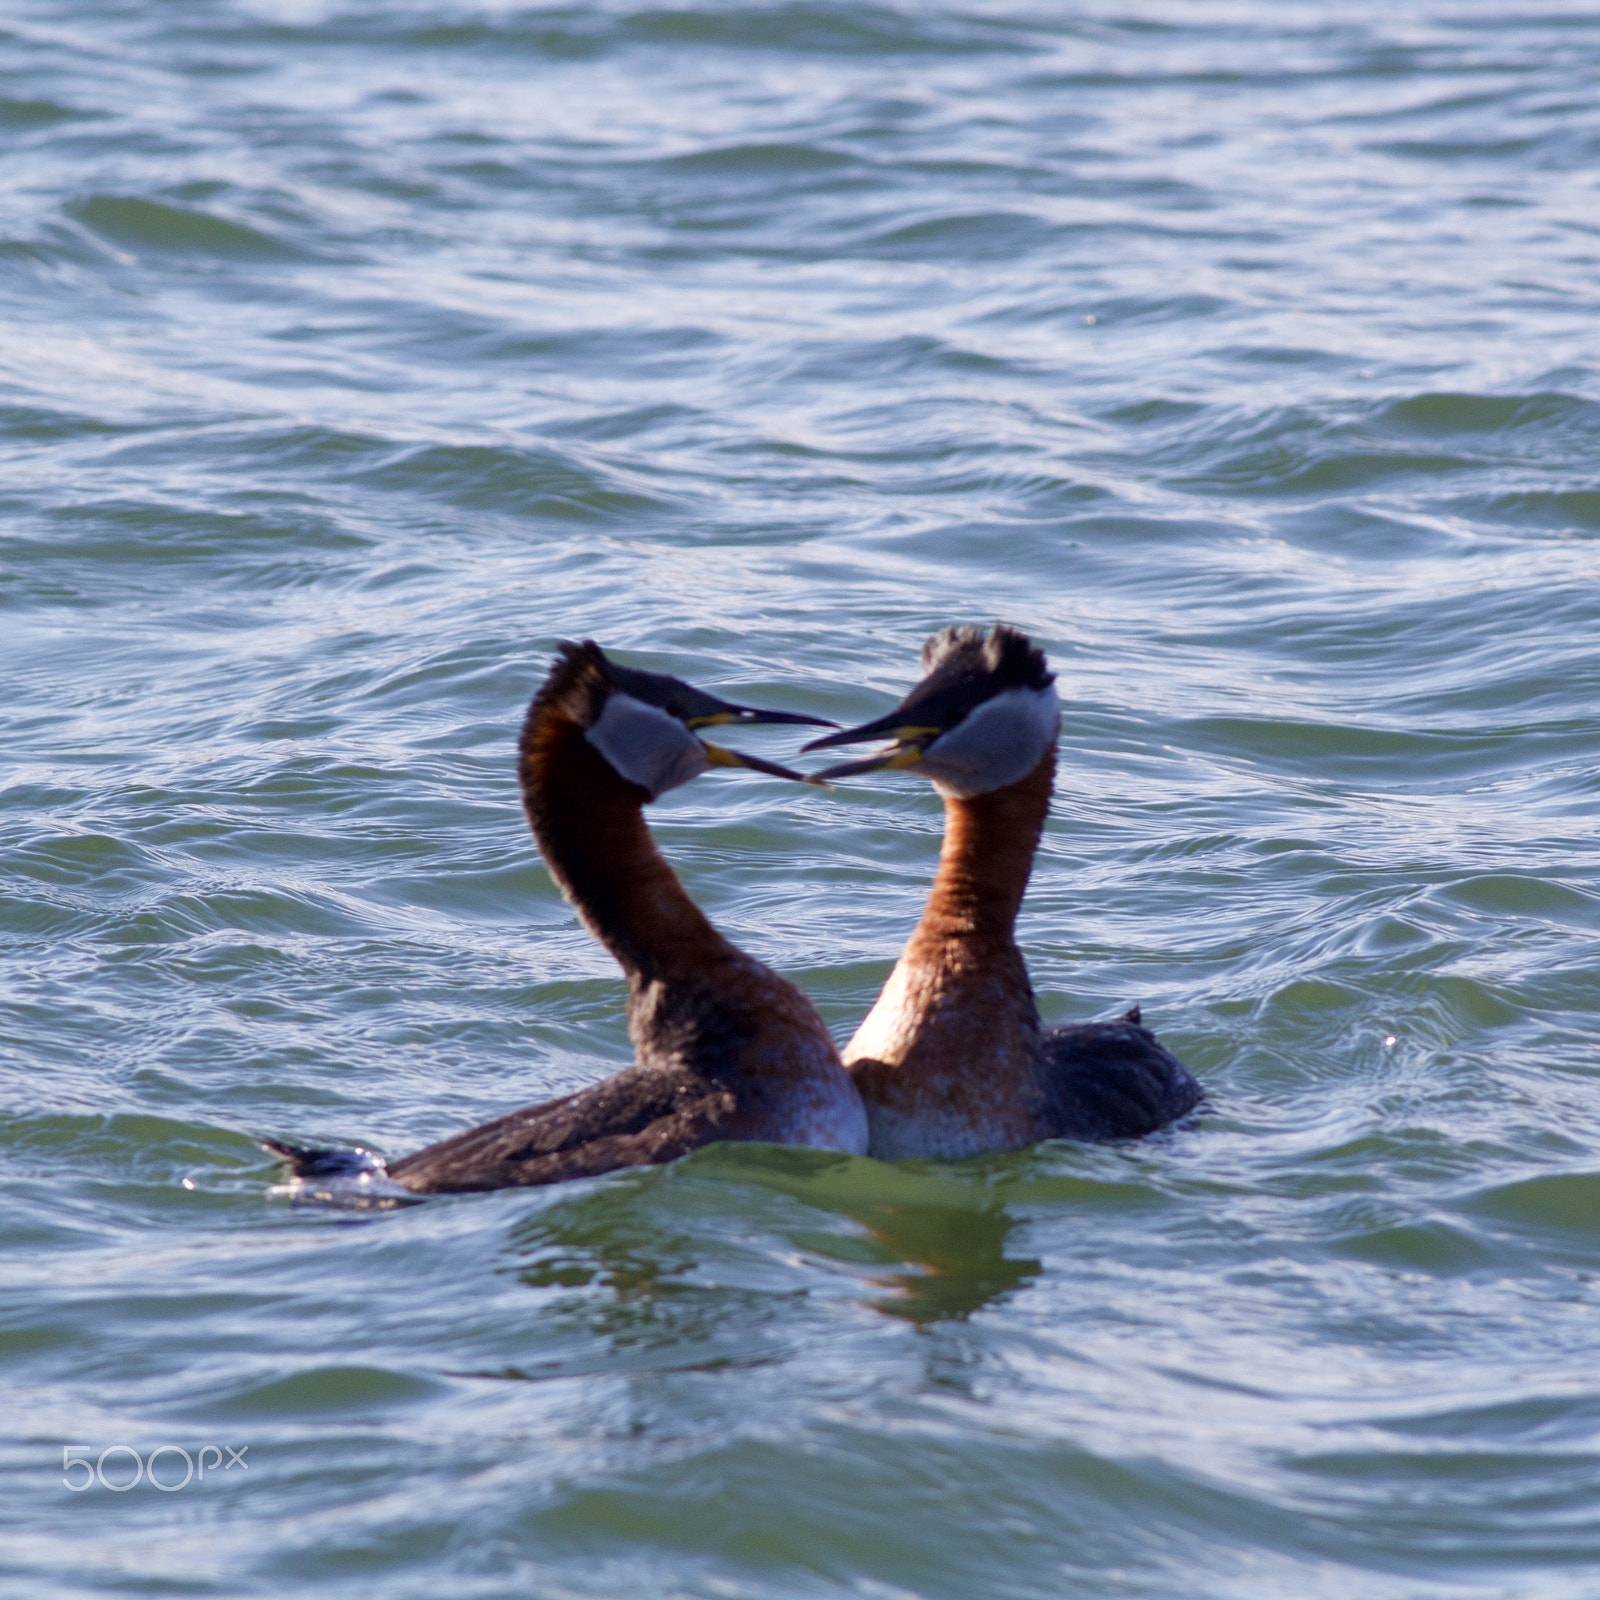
column 1245, row 353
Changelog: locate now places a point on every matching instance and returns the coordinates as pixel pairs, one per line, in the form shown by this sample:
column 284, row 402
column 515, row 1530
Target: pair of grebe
column 951, row 1061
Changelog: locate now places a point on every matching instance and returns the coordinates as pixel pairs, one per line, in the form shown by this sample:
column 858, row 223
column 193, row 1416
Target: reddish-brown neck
column 989, row 841
column 947, row 1060
column 590, row 826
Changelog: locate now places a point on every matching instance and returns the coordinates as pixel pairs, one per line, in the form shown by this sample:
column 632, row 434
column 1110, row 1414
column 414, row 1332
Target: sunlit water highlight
column 1244, row 354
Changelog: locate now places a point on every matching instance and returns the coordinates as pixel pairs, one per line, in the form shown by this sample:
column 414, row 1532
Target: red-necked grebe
column 726, row 1048
column 952, row 1059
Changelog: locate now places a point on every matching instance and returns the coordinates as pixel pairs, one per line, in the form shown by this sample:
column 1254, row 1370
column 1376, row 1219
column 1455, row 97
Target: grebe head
column 983, row 716
column 644, row 723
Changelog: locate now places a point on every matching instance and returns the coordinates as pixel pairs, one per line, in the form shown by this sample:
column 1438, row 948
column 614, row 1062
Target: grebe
column 952, row 1060
column 726, row 1048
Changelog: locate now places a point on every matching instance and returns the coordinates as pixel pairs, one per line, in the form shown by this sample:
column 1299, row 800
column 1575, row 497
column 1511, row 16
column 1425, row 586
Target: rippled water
column 1244, row 353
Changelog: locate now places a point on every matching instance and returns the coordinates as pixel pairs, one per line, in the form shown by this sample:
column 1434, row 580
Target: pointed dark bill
column 903, row 755
column 691, row 706
column 893, row 726
column 719, row 757
column 748, row 716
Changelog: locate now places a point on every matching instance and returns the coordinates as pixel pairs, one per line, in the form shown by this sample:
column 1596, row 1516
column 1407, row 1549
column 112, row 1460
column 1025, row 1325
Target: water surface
column 1245, row 354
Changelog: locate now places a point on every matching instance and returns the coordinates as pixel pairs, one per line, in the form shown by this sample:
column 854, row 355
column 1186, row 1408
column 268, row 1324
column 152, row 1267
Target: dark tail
column 1115, row 1080
column 334, row 1163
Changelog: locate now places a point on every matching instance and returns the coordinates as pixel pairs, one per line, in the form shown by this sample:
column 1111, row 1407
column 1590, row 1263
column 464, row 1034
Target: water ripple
column 354, row 355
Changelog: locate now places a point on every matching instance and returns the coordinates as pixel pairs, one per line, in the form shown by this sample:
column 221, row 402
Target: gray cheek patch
column 999, row 743
column 647, row 746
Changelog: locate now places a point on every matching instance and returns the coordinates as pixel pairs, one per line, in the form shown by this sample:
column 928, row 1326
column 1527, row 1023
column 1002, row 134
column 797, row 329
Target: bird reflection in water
column 957, row 1255
column 934, row 1243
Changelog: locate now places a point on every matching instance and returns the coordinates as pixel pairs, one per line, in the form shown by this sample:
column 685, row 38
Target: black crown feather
column 1005, row 654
